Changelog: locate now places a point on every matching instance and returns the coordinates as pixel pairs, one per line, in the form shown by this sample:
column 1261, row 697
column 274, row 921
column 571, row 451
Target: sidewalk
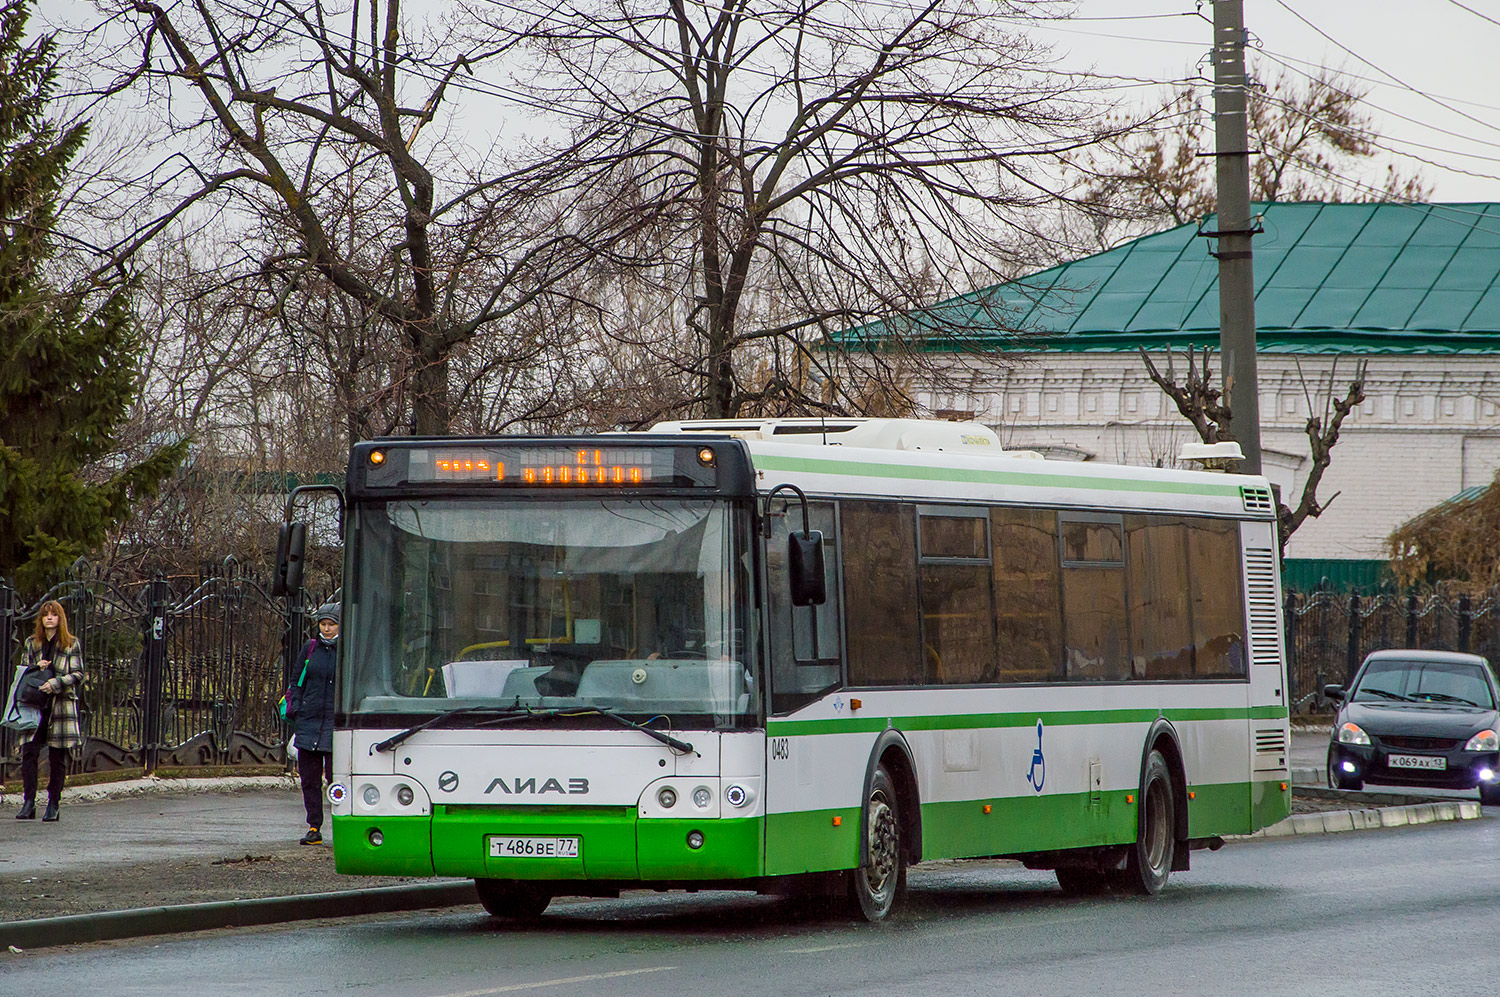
column 183, row 854
column 150, row 844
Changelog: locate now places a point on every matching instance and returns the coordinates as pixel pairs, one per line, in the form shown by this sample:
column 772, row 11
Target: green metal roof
column 1329, row 278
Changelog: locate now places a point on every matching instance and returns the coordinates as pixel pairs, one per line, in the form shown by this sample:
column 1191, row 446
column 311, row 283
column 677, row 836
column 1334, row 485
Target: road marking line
column 557, row 983
column 829, row 948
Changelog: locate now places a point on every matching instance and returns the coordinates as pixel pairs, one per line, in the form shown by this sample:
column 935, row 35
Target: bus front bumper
column 611, row 843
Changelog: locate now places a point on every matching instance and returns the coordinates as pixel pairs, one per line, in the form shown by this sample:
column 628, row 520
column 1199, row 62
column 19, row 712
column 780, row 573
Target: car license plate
column 1417, row 762
column 533, row 848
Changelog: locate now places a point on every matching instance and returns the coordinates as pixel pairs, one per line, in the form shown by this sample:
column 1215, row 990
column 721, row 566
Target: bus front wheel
column 516, row 901
column 1149, row 860
column 875, row 887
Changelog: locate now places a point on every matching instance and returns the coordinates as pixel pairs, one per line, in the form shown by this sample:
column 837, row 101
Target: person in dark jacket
column 310, row 707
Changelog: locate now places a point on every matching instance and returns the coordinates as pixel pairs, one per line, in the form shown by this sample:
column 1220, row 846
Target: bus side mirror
column 1334, row 692
column 805, row 564
column 291, row 546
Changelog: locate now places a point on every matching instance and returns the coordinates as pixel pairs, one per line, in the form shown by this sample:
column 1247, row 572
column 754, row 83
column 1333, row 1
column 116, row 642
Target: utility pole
column 1236, row 274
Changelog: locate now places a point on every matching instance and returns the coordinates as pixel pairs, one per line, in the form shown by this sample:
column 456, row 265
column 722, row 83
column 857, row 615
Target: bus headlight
column 667, row 797
column 337, row 792
column 377, row 837
column 736, row 796
column 404, row 795
column 702, row 797
column 371, row 796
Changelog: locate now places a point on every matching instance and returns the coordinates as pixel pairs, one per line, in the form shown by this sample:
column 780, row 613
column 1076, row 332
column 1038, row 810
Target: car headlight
column 1485, row 740
column 1352, row 734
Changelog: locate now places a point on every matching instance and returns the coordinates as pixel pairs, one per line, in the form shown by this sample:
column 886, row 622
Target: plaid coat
column 63, row 729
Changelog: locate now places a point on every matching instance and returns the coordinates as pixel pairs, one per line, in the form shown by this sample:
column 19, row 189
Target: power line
column 1393, row 77
column 1471, row 10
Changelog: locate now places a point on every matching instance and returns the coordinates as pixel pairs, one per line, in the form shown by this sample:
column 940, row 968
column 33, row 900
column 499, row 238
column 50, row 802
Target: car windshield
column 629, row 605
column 1454, row 683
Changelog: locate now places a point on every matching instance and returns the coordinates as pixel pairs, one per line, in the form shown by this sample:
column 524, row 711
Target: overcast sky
column 1431, row 68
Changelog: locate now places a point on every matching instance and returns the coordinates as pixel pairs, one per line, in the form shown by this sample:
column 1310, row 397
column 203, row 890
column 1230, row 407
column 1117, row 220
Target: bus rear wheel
column 1149, row 860
column 877, row 884
column 513, row 900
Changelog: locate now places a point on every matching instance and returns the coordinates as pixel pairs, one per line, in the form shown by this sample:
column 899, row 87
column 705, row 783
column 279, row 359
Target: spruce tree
column 68, row 357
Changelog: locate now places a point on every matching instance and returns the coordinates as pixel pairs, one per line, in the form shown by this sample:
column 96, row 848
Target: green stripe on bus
column 810, row 841
column 1054, row 718
column 970, row 475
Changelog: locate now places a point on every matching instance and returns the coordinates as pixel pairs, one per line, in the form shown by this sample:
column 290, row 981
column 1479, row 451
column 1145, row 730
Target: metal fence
column 177, row 672
column 1329, row 633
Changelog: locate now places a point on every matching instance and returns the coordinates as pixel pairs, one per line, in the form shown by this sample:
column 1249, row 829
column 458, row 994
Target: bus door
column 806, row 668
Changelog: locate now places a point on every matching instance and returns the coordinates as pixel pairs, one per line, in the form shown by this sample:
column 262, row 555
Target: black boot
column 51, row 812
column 27, row 811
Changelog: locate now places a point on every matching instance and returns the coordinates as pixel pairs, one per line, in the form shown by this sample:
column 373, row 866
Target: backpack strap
column 306, row 660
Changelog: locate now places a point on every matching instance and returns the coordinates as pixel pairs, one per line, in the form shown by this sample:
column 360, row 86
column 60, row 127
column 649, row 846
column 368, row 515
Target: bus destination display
column 533, row 466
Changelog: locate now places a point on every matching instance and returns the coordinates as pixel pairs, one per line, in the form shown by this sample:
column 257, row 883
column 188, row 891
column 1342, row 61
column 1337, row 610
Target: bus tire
column 1148, row 862
column 876, row 886
column 513, row 900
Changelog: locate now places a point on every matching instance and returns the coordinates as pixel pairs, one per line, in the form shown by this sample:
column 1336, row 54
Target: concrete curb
column 156, row 786
column 116, row 924
column 1368, row 818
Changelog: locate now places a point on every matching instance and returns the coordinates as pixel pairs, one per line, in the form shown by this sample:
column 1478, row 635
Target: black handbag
column 30, row 691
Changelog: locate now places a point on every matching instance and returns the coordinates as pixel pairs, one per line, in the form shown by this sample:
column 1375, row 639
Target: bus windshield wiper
column 396, row 739
column 676, row 744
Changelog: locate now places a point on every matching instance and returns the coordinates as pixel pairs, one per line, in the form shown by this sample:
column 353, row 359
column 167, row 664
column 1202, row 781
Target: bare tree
column 793, row 171
column 1307, row 135
column 314, row 134
column 1202, row 404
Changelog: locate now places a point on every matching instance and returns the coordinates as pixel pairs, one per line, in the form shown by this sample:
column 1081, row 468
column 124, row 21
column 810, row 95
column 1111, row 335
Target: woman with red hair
column 51, row 646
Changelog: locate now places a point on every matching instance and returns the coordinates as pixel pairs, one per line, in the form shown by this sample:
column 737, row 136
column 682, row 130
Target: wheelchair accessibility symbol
column 1037, row 774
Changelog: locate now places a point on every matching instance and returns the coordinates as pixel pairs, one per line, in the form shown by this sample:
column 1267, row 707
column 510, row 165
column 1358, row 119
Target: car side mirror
column 1334, row 692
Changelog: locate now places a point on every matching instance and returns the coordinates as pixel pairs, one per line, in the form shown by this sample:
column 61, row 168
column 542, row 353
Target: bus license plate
column 1417, row 762
column 532, row 848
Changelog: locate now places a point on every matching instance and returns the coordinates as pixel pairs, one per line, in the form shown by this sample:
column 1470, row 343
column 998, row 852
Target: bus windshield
column 630, row 605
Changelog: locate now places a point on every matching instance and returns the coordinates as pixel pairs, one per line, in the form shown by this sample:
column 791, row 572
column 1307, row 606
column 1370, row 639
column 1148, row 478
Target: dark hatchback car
column 1418, row 718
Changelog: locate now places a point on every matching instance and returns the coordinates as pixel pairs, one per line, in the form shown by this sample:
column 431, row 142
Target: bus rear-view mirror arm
column 804, row 555
column 291, row 541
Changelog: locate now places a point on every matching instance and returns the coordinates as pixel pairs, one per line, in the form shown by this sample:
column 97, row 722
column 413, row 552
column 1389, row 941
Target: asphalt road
column 1403, row 911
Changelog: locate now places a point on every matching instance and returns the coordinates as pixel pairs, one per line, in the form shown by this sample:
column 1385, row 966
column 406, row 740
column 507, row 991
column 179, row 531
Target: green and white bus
column 796, row 656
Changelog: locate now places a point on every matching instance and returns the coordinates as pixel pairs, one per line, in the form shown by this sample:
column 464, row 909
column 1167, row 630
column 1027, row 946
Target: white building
column 1414, row 290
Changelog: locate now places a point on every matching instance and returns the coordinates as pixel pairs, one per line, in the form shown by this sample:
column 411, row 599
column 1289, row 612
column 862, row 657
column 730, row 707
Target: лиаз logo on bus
column 519, row 786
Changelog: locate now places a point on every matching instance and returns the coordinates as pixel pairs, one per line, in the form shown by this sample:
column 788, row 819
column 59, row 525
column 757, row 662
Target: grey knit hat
column 327, row 611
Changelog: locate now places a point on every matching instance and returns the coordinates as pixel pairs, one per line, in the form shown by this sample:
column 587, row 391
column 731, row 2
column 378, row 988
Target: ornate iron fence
column 177, row 672
column 1328, row 634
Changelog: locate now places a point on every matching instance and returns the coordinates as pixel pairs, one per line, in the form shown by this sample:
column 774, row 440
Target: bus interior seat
column 665, row 683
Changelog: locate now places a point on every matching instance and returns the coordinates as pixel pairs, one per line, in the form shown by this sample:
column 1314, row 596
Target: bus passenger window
column 1093, row 577
column 1028, row 610
column 958, row 619
column 1218, row 599
column 1161, row 618
column 880, row 588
